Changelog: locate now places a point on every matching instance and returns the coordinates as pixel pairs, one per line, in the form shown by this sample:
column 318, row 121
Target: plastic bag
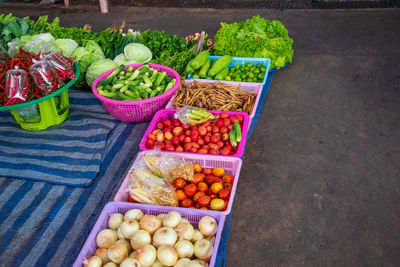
column 13, row 47
column 45, row 76
column 17, row 85
column 193, row 115
column 62, row 66
column 145, row 187
column 168, row 167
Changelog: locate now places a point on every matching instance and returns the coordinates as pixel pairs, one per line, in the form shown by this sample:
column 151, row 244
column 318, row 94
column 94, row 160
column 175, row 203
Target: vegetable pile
column 138, row 239
column 214, row 96
column 256, row 37
column 208, row 137
column 129, row 84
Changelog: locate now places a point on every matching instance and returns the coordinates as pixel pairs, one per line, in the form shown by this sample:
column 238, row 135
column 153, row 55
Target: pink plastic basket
column 169, row 113
column 248, row 87
column 140, row 110
column 231, row 165
column 192, row 215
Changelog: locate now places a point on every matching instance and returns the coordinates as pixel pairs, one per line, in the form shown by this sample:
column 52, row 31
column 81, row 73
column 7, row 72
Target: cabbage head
column 67, row 46
column 98, row 68
column 137, row 52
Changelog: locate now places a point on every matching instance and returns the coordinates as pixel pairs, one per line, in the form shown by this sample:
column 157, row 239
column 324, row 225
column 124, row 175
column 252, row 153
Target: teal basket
column 50, row 110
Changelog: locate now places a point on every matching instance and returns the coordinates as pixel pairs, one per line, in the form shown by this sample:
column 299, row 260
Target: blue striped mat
column 46, row 224
column 66, row 154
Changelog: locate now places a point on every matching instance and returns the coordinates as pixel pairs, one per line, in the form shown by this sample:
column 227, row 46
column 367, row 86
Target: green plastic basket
column 53, row 108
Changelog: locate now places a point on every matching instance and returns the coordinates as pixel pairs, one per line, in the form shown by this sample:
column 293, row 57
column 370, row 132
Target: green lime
column 237, row 66
column 228, row 78
column 256, row 71
column 259, row 65
column 249, row 65
column 263, row 69
column 237, row 79
column 251, row 75
column 261, row 76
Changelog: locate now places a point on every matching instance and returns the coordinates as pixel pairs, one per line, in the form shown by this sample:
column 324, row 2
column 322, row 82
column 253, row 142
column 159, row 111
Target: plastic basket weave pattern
column 231, row 165
column 192, row 215
column 248, row 87
column 139, row 110
column 241, row 61
column 169, row 114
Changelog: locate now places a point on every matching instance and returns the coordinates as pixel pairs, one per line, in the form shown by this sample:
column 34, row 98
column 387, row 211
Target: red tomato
column 240, row 117
column 180, row 183
column 185, row 126
column 224, row 193
column 197, row 167
column 225, row 151
column 216, row 116
column 213, row 146
column 187, row 140
column 194, row 150
column 202, row 151
column 213, row 152
column 130, row 199
column 194, row 128
column 204, row 201
column 206, row 147
column 227, row 122
column 223, row 130
column 168, row 135
column 150, row 143
column 227, row 178
column 166, row 122
column 160, row 125
column 225, row 136
column 179, row 149
column 188, row 132
column 228, row 185
column 195, row 145
column 159, row 145
column 224, row 115
column 209, row 128
column 202, row 186
column 177, row 130
column 200, row 142
column 213, row 196
column 187, row 203
column 194, row 135
column 169, row 147
column 207, row 139
column 234, row 119
column 202, row 130
column 180, row 194
column 207, row 171
column 198, row 177
column 175, row 140
column 215, row 138
column 181, row 138
column 187, row 147
column 230, row 126
column 220, row 144
column 219, row 123
column 167, row 129
column 190, row 190
column 151, row 136
column 176, row 122
column 215, row 129
column 207, row 123
column 198, row 195
column 209, row 179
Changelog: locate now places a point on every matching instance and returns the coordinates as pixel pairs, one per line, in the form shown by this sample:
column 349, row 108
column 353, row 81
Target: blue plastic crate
column 241, row 61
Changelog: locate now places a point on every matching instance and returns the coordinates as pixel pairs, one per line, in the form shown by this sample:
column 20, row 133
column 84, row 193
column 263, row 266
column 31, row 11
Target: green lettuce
column 256, row 37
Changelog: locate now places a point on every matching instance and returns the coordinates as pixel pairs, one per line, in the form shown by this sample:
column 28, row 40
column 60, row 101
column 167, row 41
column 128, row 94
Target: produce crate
column 241, row 61
column 231, row 165
column 193, row 215
column 169, row 114
column 248, row 87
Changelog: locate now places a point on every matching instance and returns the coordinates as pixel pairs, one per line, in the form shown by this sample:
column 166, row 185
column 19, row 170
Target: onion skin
column 203, row 249
column 182, row 262
column 184, row 248
column 172, row 219
column 102, row 254
column 201, row 262
column 164, row 236
column 161, row 216
column 140, row 238
column 193, row 264
column 120, row 235
column 208, row 226
column 197, row 236
column 129, row 262
column 117, row 253
column 167, row 255
column 105, row 238
column 110, row 264
column 125, row 243
column 185, row 231
column 146, row 255
column 135, row 214
column 128, row 228
column 150, row 223
column 115, row 220
column 93, row 261
column 157, row 264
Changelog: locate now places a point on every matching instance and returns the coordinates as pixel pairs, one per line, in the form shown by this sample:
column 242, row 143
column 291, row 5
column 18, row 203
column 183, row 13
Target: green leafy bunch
column 13, row 27
column 255, row 37
column 159, row 42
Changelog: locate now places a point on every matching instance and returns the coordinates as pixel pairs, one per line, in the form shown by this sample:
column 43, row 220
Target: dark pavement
column 320, row 183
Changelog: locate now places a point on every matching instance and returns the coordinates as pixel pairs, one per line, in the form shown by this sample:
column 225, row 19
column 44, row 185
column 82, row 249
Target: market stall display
column 167, row 133
column 151, row 234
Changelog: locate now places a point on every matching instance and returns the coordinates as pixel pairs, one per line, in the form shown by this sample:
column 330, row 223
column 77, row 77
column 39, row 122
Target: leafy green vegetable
column 159, row 42
column 67, row 46
column 98, row 68
column 13, row 27
column 108, row 40
column 137, row 52
column 120, row 59
column 256, row 37
column 176, row 60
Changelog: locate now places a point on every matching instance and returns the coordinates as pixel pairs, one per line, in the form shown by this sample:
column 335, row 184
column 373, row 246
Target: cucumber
column 199, row 60
column 219, row 65
column 238, row 132
column 189, row 68
column 232, row 138
column 221, row 75
column 204, row 69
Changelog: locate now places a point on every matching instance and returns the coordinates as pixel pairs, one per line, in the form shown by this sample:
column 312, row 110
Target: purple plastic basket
column 231, row 165
column 138, row 110
column 248, row 87
column 169, row 114
column 192, row 215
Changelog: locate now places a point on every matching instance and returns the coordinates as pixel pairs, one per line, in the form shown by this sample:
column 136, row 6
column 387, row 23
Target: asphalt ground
column 320, row 181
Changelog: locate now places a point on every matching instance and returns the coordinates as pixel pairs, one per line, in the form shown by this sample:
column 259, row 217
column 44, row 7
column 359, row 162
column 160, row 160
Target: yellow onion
column 208, row 226
column 117, row 253
column 164, row 236
column 105, row 238
column 203, row 249
column 102, row 254
column 93, row 261
column 150, row 223
column 115, row 220
column 140, row 238
column 167, row 255
column 172, row 219
column 184, row 248
column 128, row 228
column 135, row 214
column 130, row 262
column 182, row 262
column 146, row 255
column 185, row 231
